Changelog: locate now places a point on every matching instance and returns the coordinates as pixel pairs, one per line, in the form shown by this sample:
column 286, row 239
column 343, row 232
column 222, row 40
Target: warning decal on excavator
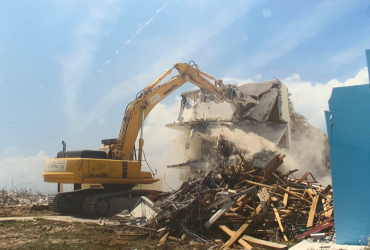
column 55, row 166
column 154, row 99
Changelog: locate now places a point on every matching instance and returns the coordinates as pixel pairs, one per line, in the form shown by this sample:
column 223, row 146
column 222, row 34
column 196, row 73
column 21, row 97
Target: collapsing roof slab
column 253, row 127
column 256, row 89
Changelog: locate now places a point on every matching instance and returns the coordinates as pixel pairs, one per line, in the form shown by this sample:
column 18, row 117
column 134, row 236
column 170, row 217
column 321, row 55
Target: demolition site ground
column 38, row 233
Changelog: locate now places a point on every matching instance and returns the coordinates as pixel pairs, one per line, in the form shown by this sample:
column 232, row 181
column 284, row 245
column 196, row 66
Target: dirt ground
column 25, row 211
column 43, row 229
column 46, row 234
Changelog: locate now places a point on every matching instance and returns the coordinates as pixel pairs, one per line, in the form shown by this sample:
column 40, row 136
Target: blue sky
column 69, row 68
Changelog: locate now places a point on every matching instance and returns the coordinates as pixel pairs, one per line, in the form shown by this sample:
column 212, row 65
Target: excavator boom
column 153, row 94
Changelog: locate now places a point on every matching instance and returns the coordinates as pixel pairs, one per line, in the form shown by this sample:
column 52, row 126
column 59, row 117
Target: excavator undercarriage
column 95, row 202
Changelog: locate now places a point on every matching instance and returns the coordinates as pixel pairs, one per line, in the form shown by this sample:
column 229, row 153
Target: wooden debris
column 317, row 228
column 263, row 243
column 286, row 196
column 311, row 215
column 236, row 235
column 231, row 234
column 164, row 238
column 280, row 225
column 258, row 201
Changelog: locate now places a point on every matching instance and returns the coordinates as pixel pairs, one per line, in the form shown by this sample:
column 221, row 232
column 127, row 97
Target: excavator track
column 111, row 203
column 95, row 202
column 70, row 202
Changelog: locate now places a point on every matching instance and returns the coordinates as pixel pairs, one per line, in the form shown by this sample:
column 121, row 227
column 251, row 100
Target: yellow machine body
column 100, row 171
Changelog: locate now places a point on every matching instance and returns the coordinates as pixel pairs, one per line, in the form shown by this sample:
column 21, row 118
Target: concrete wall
column 348, row 126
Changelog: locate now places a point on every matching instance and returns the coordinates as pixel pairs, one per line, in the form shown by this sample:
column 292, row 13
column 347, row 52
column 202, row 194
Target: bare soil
column 46, row 234
column 24, row 211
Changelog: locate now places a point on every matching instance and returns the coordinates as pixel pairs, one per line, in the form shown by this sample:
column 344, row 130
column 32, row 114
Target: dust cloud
column 309, row 152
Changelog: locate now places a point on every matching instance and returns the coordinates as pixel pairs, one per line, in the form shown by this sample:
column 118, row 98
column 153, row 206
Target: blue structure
column 348, row 126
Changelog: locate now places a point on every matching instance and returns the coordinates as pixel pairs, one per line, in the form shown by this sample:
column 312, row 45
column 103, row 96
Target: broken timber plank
column 263, row 243
column 218, row 214
column 236, row 235
column 285, row 201
column 279, row 222
column 326, row 190
column 173, row 238
column 311, row 215
column 274, row 164
column 231, row 233
column 294, row 194
column 259, row 184
column 164, row 238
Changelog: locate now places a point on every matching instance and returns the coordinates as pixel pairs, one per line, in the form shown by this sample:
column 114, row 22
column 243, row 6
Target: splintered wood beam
column 294, row 194
column 326, row 190
column 329, row 212
column 311, row 215
column 218, row 214
column 164, row 238
column 263, row 243
column 279, row 222
column 289, row 173
column 245, row 163
column 259, row 184
column 285, row 200
column 232, row 233
column 236, row 235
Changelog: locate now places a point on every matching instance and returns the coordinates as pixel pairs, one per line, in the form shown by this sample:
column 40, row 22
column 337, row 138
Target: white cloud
column 160, row 9
column 258, row 77
column 235, row 81
column 101, row 121
column 77, row 65
column 108, row 61
column 311, row 99
column 266, row 13
column 24, row 170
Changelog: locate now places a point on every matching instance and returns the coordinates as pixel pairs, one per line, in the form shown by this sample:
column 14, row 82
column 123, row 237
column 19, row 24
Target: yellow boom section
column 150, row 97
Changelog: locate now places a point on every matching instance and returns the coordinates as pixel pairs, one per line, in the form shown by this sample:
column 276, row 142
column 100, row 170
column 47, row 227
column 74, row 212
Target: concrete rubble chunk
column 262, row 110
column 257, row 89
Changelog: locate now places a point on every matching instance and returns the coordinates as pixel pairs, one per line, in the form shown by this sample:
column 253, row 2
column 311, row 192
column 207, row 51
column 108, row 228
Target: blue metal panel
column 368, row 61
column 348, row 126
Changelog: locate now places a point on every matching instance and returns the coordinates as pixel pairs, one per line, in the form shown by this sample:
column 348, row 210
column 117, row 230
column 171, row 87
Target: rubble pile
column 245, row 204
column 22, row 197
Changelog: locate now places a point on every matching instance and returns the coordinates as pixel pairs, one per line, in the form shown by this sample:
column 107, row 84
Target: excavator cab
column 108, row 146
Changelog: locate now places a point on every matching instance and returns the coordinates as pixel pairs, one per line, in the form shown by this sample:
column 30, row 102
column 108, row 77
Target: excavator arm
column 147, row 99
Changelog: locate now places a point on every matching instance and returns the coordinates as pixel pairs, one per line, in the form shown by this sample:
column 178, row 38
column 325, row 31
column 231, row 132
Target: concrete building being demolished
column 218, row 130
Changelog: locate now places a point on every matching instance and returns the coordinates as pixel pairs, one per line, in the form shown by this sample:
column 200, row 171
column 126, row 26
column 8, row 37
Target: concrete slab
column 224, row 111
column 256, row 89
column 246, row 134
column 262, row 110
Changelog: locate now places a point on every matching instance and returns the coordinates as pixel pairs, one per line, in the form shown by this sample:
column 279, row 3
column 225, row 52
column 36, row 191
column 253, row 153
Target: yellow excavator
column 115, row 165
